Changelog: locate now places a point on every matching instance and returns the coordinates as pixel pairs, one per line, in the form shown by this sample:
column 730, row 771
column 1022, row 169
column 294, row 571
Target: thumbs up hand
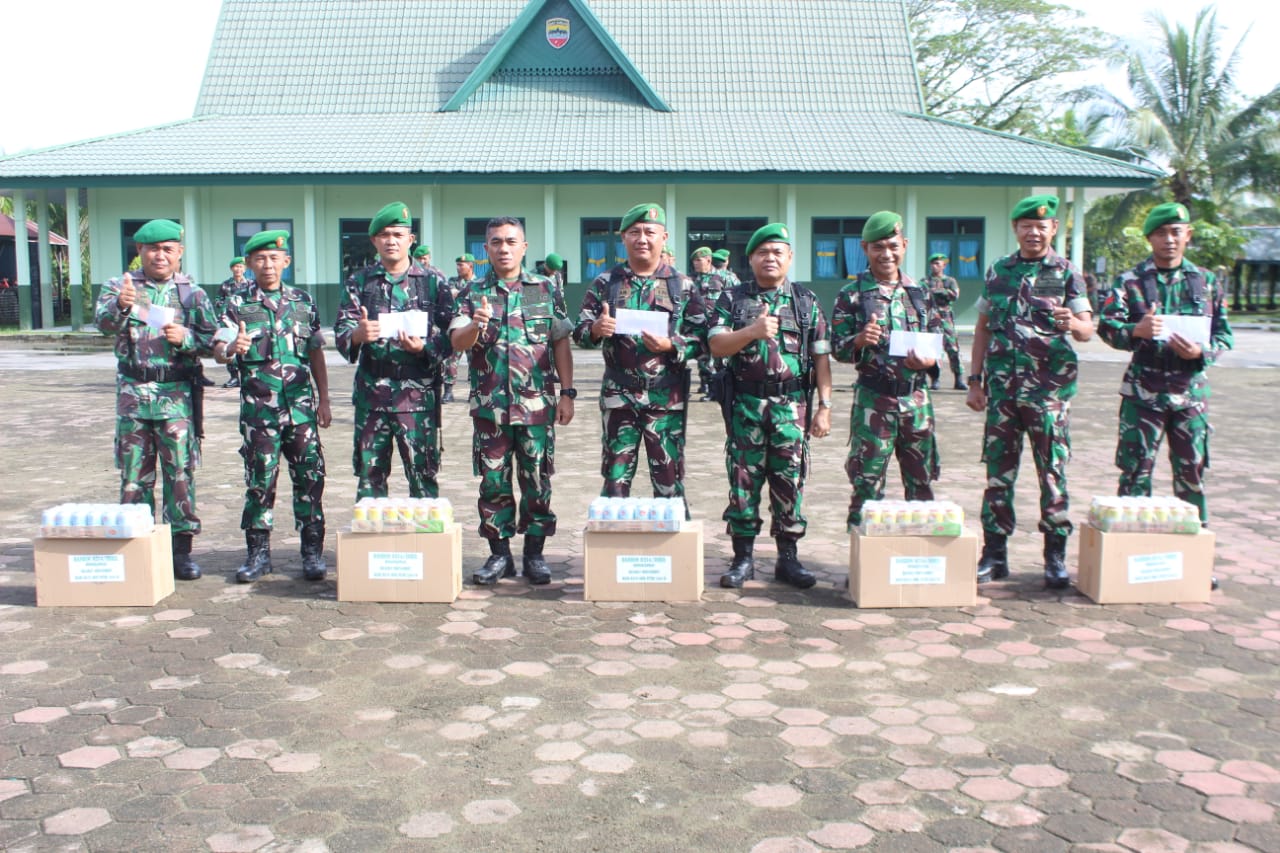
column 766, row 324
column 128, row 294
column 1150, row 326
column 871, row 333
column 367, row 330
column 605, row 325
column 482, row 314
column 243, row 341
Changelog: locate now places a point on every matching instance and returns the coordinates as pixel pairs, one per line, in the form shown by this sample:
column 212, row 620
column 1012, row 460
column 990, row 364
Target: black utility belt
column 632, row 382
column 381, row 369
column 1168, row 361
column 891, row 387
column 159, row 374
column 768, row 389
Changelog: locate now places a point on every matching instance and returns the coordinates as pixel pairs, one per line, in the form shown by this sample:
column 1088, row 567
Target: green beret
column 938, row 256
column 1035, row 207
column 465, row 258
column 396, row 213
column 884, row 224
column 267, row 240
column 774, row 232
column 554, row 262
column 701, row 252
column 1163, row 214
column 235, row 261
column 158, row 231
column 720, row 255
column 646, row 212
column 421, row 251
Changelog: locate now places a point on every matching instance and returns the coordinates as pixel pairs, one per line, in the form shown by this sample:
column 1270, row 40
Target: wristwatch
column 824, row 404
column 571, row 393
column 976, row 377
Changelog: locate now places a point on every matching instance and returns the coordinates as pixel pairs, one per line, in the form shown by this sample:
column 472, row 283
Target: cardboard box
column 400, row 566
column 1145, row 568
column 104, row 572
column 643, row 566
column 913, row 571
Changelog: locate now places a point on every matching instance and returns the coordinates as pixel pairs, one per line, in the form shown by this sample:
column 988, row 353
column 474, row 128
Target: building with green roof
column 314, row 113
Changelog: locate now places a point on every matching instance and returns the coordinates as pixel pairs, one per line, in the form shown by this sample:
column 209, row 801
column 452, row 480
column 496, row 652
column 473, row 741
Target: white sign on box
column 644, row 569
column 633, row 322
column 926, row 344
column 1194, row 329
column 96, row 568
column 415, row 324
column 914, row 571
column 1155, row 568
column 395, row 566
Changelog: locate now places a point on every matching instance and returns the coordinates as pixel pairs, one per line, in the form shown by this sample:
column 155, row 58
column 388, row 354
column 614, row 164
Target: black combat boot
column 258, row 563
column 994, row 563
column 1055, row 561
column 935, row 373
column 184, row 568
column 743, row 567
column 960, row 386
column 535, row 568
column 448, row 394
column 788, row 568
column 313, row 567
column 499, row 564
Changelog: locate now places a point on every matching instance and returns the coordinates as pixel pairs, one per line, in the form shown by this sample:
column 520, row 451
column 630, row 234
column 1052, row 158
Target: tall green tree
column 997, row 63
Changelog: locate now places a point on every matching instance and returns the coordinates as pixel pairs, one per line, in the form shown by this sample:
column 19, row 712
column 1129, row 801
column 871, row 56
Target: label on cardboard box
column 915, row 571
column 96, row 568
column 1155, row 568
column 639, row 568
column 395, row 566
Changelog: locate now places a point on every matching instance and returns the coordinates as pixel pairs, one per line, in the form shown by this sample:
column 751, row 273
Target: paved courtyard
column 273, row 717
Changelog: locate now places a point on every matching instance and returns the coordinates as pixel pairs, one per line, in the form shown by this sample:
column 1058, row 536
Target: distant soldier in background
column 709, row 287
column 943, row 292
column 226, row 290
column 466, row 267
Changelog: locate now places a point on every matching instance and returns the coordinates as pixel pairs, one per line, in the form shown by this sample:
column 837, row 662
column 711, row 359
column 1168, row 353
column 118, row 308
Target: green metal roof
column 467, row 90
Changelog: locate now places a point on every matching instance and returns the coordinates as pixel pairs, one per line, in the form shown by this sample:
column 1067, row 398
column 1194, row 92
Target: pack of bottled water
column 1144, row 515
column 912, row 518
column 636, row 515
column 401, row 515
column 96, row 521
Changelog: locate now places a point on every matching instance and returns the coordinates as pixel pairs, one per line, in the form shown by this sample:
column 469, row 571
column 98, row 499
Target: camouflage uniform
column 708, row 286
column 644, row 394
column 1162, row 393
column 155, row 400
column 226, row 290
column 767, row 440
column 450, row 370
column 1030, row 374
column 892, row 410
column 513, row 400
column 943, row 291
column 395, row 393
column 277, row 409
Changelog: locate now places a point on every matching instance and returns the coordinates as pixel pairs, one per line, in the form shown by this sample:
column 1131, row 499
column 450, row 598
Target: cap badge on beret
column 1042, row 210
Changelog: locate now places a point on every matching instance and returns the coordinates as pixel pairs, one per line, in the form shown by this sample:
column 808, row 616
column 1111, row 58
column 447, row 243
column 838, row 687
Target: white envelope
column 1195, row 329
column 926, row 344
column 415, row 324
column 159, row 316
column 633, row 322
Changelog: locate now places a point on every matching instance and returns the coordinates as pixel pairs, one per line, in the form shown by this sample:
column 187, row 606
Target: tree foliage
column 994, row 63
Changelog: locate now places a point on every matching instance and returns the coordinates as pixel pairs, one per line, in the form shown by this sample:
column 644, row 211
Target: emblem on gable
column 557, row 32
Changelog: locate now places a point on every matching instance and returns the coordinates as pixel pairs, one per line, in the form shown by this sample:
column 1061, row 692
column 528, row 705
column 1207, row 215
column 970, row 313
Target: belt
column 768, row 389
column 891, row 387
column 632, row 382
column 382, row 369
column 159, row 374
column 1167, row 360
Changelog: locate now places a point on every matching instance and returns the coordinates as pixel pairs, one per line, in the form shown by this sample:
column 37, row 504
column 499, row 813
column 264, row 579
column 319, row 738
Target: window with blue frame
column 602, row 247
column 961, row 240
column 837, row 248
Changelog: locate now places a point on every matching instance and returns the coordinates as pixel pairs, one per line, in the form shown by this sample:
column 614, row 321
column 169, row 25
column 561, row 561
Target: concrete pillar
column 1060, row 240
column 22, row 260
column 191, row 237
column 45, row 259
column 915, row 234
column 1077, row 228
column 75, row 276
column 549, row 221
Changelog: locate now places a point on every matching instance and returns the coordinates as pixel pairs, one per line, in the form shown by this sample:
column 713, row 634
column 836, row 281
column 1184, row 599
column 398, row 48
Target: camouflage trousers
column 767, row 443
column 497, row 448
column 1141, row 429
column 884, row 426
column 264, row 443
column 1046, row 426
column 662, row 433
column 449, row 368
column 950, row 345
column 414, row 434
column 140, row 444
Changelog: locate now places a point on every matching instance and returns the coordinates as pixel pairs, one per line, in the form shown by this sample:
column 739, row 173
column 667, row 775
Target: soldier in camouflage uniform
column 226, row 290
column 645, row 391
column 708, row 286
column 1165, row 390
column 773, row 334
column 1032, row 306
column 892, row 411
column 396, row 391
column 273, row 331
column 515, row 326
column 466, row 266
column 720, row 267
column 943, row 292
column 158, row 395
